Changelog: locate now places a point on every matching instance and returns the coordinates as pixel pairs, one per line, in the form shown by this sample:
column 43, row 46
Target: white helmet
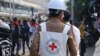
column 57, row 4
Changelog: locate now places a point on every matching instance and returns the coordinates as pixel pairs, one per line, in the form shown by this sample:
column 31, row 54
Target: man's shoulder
column 76, row 28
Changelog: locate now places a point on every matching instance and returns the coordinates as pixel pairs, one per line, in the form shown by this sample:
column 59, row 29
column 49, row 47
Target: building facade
column 19, row 8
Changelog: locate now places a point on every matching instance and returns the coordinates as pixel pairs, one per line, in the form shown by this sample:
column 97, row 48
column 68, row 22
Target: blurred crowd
column 21, row 32
column 57, row 35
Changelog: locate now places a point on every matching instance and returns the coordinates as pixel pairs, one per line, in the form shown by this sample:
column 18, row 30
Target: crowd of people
column 20, row 33
column 22, row 30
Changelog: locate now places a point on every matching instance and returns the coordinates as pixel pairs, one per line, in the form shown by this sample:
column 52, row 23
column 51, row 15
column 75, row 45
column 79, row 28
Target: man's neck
column 54, row 20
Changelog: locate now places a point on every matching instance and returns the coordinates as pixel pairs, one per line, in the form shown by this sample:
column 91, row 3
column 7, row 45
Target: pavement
column 89, row 51
column 26, row 51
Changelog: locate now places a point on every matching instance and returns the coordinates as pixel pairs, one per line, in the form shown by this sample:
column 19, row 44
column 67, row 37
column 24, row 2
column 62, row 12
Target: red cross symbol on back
column 53, row 46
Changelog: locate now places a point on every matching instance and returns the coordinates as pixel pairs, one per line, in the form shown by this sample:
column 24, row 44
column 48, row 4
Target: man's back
column 53, row 43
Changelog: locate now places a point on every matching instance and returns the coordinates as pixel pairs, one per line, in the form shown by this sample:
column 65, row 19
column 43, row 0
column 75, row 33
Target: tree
column 80, row 8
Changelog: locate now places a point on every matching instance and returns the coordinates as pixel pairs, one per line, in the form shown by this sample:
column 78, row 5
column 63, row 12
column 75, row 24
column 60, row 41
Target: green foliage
column 80, row 8
column 69, row 5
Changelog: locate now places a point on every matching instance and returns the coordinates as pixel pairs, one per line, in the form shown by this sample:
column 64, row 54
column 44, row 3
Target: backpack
column 5, row 47
column 5, row 42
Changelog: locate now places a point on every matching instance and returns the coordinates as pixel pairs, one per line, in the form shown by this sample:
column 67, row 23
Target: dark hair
column 71, row 22
column 54, row 12
column 2, row 18
column 67, row 16
column 33, row 20
column 19, row 21
column 14, row 19
column 24, row 21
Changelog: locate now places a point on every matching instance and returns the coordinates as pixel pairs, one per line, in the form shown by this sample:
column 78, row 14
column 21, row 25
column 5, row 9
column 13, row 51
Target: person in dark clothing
column 82, row 47
column 82, row 43
column 25, row 35
column 15, row 36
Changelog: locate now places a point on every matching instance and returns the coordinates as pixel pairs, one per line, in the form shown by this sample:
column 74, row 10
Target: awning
column 15, row 15
column 24, row 3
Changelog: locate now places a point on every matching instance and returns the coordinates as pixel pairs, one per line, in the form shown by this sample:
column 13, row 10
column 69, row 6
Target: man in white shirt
column 75, row 30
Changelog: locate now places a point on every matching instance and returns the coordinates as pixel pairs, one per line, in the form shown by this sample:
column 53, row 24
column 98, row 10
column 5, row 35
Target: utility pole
column 98, row 8
column 72, row 9
column 10, row 9
column 42, row 5
column 13, row 8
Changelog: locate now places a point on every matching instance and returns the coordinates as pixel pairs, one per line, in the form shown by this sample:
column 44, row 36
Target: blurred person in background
column 82, row 43
column 33, row 27
column 96, row 32
column 15, row 36
column 25, row 35
column 75, row 30
column 97, row 45
column 52, row 36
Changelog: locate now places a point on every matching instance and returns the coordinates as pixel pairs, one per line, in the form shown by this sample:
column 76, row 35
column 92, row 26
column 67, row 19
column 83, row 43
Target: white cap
column 57, row 4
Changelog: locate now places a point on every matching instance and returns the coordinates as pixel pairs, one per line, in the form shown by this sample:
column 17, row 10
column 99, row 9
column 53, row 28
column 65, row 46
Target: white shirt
column 76, row 32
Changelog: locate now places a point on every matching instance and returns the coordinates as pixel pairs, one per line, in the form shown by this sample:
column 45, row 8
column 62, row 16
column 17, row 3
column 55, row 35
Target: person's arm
column 82, row 24
column 71, row 44
column 76, row 36
column 34, row 50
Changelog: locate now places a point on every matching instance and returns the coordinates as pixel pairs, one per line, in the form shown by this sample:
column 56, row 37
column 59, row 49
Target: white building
column 20, row 8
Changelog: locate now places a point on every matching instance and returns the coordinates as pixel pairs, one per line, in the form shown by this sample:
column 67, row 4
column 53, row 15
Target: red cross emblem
column 52, row 46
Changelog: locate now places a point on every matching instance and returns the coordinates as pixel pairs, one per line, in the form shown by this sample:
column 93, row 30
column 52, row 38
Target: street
column 90, row 51
column 26, row 51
